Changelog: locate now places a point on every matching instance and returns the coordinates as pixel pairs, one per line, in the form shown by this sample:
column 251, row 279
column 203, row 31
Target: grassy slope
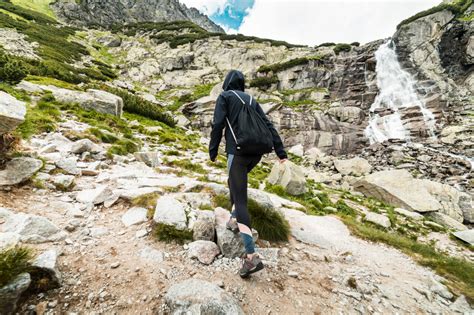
column 41, row 6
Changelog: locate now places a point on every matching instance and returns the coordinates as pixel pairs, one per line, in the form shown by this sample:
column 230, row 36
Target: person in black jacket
column 226, row 112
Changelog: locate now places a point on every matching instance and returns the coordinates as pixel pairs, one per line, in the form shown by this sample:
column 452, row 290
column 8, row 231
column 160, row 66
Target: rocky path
column 108, row 266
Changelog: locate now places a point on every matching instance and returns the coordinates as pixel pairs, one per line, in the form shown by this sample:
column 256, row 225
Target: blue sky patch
column 233, row 14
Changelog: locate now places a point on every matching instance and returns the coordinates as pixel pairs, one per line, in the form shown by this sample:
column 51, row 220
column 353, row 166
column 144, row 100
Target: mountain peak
column 110, row 12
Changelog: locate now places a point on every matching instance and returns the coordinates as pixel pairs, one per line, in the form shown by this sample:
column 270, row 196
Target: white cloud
column 313, row 22
column 208, row 7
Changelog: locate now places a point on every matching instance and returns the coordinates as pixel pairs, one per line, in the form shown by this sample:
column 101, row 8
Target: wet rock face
column 110, row 12
column 453, row 50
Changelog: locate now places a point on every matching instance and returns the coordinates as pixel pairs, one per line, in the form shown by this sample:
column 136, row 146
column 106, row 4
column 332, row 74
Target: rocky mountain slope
column 115, row 12
column 108, row 203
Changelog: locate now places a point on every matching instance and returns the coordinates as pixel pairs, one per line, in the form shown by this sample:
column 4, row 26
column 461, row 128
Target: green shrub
column 169, row 233
column 356, row 44
column 13, row 262
column 457, row 7
column 342, row 48
column 326, row 45
column 264, row 82
column 13, row 72
column 270, row 224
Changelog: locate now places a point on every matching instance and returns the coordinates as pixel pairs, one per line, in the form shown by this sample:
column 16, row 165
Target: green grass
column 41, row 6
column 168, row 233
column 40, row 118
column 270, row 224
column 13, row 262
column 51, row 81
column 264, row 82
column 457, row 7
column 188, row 165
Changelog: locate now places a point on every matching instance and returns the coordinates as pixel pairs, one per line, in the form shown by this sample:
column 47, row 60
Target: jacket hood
column 235, row 80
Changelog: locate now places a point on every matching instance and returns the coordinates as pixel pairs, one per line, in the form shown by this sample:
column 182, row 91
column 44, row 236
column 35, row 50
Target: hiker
column 249, row 134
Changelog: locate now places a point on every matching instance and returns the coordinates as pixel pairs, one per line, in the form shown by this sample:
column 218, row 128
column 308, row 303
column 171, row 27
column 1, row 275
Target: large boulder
column 399, row 188
column 11, row 293
column 19, row 170
column 290, row 176
column 31, row 228
column 12, row 112
column 97, row 100
column 46, row 264
column 95, row 196
column 170, row 211
column 195, row 297
column 356, row 166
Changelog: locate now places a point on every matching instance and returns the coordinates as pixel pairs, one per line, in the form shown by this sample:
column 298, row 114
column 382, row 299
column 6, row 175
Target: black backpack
column 252, row 135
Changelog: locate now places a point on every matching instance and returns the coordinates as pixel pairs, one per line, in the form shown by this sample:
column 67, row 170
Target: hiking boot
column 250, row 266
column 232, row 225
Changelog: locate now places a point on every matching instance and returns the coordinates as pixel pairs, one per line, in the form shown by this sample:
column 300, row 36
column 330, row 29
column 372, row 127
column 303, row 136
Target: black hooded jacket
column 228, row 106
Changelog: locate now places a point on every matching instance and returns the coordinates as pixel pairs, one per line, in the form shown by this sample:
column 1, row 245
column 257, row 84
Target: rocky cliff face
column 112, row 12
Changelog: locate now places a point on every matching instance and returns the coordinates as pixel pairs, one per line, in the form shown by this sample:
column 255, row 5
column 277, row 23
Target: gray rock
column 467, row 236
column 203, row 227
column 409, row 214
column 98, row 231
column 47, row 263
column 440, row 289
column 32, row 228
column 69, row 165
column 204, row 251
column 356, row 166
column 12, row 112
column 170, row 211
column 399, row 188
column 9, row 239
column 84, row 145
column 461, row 306
column 152, row 159
column 195, row 297
column 63, row 181
column 151, row 254
column 19, row 170
column 134, row 215
column 95, row 196
column 289, row 176
column 10, row 294
column 446, row 221
column 378, row 219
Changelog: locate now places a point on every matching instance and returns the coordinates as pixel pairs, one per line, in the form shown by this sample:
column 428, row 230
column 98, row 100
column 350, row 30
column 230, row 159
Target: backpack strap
column 251, row 98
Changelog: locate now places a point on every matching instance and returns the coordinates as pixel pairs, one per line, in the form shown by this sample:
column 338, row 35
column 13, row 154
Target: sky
column 311, row 22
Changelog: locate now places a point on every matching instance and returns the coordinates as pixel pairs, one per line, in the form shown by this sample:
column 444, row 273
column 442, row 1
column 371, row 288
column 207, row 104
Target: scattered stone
column 466, row 236
column 289, row 176
column 12, row 112
column 293, row 274
column 69, row 165
column 195, row 296
column 63, row 181
column 204, row 251
column 11, row 293
column 94, row 196
column 461, row 306
column 84, row 145
column 47, row 263
column 151, row 254
column 152, row 159
column 446, row 221
column 409, row 214
column 115, row 265
column 98, row 231
column 440, row 289
column 330, row 209
column 378, row 219
column 134, row 216
column 356, row 166
column 171, row 212
column 297, row 150
column 19, row 170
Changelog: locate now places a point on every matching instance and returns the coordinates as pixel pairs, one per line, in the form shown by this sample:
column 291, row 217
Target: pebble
column 115, row 265
column 293, row 274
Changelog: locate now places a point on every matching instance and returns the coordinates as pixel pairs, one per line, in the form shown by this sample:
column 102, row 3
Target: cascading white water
column 397, row 90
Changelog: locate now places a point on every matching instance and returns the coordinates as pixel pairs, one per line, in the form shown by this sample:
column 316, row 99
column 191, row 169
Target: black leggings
column 239, row 167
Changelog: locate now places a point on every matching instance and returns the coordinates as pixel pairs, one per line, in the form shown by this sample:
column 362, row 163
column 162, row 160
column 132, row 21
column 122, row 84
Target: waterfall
column 397, row 91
